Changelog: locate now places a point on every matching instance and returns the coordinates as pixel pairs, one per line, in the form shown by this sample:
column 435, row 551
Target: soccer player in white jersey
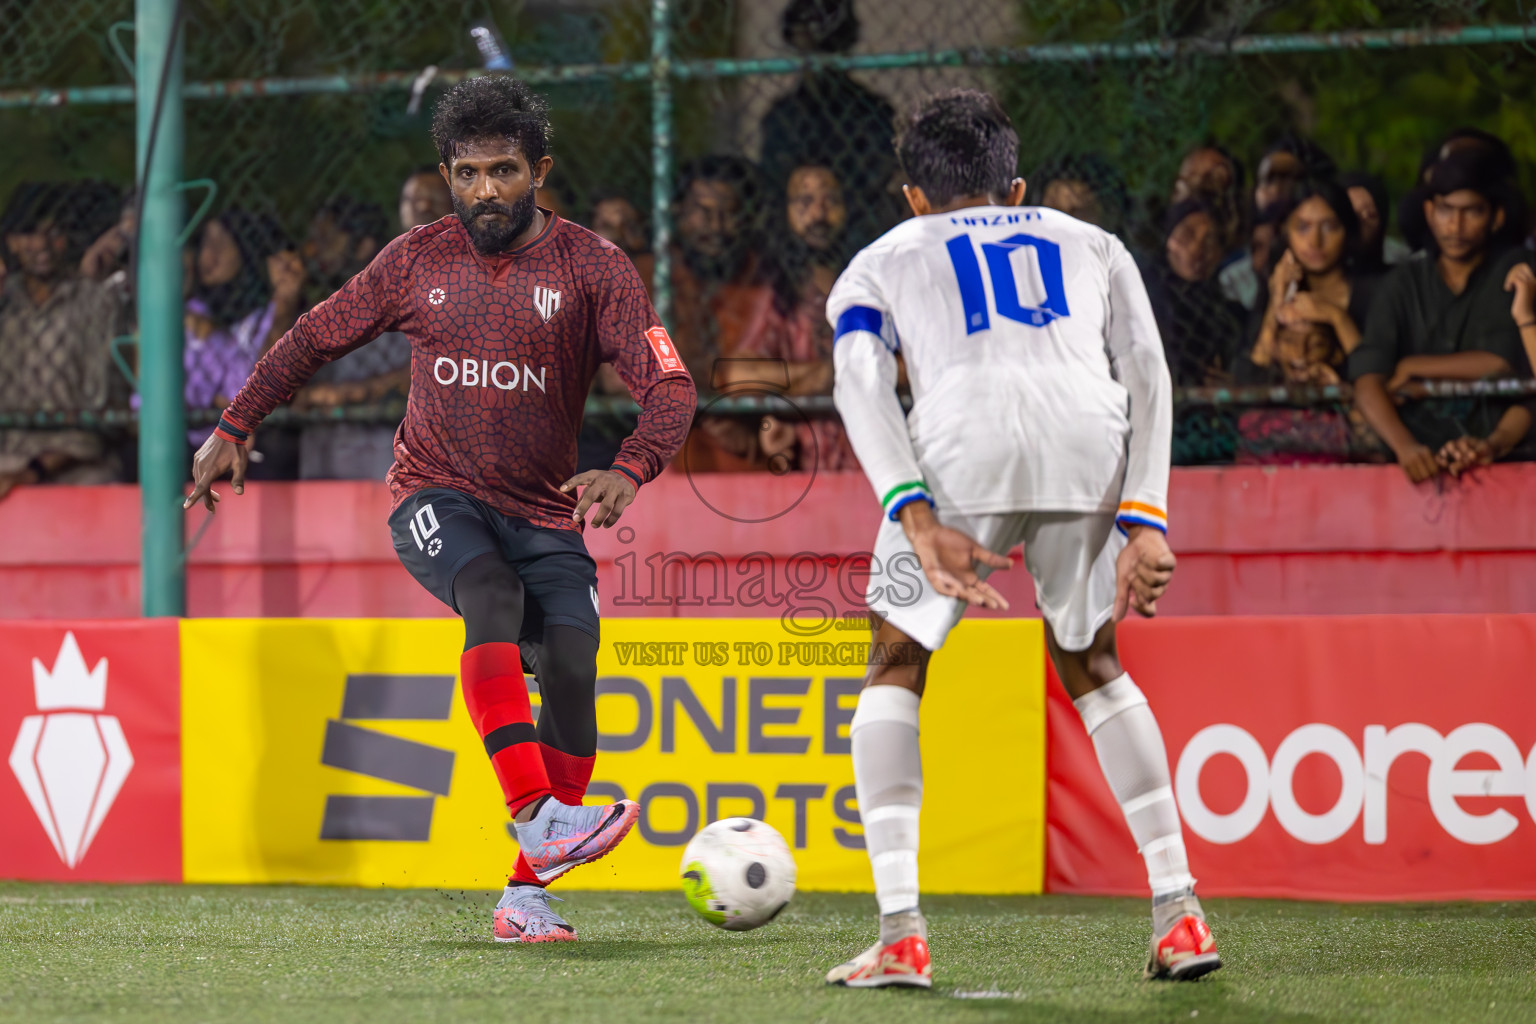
column 1041, row 413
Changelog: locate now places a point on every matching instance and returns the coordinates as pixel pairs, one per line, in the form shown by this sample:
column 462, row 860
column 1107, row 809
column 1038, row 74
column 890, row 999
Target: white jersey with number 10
column 1037, row 374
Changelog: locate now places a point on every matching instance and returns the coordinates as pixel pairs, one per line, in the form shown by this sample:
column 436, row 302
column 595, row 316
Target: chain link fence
column 741, row 153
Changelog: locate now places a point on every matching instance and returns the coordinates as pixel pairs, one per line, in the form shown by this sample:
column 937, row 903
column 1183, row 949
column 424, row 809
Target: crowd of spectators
column 1296, row 279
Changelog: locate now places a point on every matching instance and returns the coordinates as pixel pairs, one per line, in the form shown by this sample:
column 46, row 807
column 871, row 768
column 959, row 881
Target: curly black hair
column 959, row 143
column 491, row 107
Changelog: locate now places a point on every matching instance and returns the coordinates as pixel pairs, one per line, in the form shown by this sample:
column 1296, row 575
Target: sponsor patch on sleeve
column 666, row 352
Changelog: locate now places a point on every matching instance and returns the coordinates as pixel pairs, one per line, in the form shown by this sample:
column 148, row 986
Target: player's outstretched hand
column 949, row 559
column 215, row 458
column 1142, row 572
column 611, row 492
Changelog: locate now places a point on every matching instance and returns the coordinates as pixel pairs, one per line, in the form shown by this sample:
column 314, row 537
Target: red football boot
column 1187, row 950
column 903, row 962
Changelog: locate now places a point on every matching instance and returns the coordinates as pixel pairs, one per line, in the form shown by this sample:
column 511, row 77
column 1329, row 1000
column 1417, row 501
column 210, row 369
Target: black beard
column 716, row 268
column 489, row 237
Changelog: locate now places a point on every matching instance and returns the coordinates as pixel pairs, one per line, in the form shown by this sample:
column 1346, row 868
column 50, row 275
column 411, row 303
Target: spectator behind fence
column 1216, row 177
column 831, row 120
column 715, row 290
column 1085, row 186
column 376, row 372
column 55, row 329
column 788, row 346
column 1448, row 317
column 1209, row 173
column 1318, row 303
column 615, row 218
column 1264, row 238
column 246, row 282
column 424, row 198
column 714, row 265
column 1201, row 329
column 1378, row 250
column 1286, row 163
column 1500, row 162
column 343, row 237
column 107, row 257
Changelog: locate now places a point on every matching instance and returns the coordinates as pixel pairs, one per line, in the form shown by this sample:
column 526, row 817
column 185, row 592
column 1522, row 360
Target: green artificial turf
column 297, row 955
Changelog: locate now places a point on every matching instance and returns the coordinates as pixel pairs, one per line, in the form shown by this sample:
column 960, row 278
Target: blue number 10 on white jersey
column 1005, row 289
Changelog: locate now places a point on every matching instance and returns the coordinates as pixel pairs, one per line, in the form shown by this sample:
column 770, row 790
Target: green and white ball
column 738, row 873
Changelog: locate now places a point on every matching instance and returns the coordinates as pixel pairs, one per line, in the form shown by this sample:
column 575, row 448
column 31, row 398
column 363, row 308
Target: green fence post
column 162, row 420
column 661, row 158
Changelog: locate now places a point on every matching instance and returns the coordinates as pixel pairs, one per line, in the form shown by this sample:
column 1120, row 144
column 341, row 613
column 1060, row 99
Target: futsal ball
column 738, row 873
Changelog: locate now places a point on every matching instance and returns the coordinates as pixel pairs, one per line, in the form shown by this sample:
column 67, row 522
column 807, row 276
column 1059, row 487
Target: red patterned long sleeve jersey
column 503, row 351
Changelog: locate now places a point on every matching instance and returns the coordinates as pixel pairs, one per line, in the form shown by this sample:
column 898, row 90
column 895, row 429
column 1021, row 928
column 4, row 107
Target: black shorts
column 437, row 532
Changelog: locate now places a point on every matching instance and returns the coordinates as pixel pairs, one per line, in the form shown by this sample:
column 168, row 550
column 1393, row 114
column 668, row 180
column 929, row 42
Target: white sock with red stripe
column 1135, row 763
column 888, row 776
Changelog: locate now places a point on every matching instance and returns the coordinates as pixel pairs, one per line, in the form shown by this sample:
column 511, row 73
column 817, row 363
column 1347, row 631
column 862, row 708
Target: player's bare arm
column 611, row 492
column 1142, row 571
column 949, row 558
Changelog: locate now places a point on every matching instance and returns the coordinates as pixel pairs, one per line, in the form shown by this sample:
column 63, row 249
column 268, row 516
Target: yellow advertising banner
column 340, row 752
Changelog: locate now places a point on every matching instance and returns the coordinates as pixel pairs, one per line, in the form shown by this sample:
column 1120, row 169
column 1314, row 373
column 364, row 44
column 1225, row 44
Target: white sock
column 888, row 776
column 1135, row 763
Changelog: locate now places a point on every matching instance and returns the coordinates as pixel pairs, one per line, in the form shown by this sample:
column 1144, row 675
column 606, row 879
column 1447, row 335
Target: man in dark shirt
column 509, row 310
column 1446, row 317
column 830, row 119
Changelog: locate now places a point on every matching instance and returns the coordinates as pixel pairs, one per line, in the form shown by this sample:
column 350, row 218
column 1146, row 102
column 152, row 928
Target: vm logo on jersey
column 546, row 301
column 71, row 761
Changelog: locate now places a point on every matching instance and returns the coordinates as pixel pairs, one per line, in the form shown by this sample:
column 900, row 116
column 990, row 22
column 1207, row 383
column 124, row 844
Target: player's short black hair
column 491, row 107
column 959, row 143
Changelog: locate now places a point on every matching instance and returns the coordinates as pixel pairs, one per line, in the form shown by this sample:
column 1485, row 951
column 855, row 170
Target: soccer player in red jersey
column 510, row 310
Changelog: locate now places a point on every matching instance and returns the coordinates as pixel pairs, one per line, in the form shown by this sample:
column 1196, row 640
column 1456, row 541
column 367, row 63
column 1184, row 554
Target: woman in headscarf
column 1201, row 329
column 246, row 281
column 1377, row 252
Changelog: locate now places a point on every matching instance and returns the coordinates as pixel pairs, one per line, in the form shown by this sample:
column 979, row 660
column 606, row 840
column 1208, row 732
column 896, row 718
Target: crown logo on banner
column 70, row 685
column 70, row 761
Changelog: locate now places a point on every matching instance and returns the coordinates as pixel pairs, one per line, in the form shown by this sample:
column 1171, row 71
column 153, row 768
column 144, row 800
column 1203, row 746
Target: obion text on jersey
column 473, row 373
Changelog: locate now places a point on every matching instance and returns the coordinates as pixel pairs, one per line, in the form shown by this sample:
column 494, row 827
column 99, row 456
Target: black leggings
column 490, row 598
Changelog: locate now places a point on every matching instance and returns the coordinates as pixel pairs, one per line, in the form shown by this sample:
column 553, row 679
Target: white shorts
column 1071, row 556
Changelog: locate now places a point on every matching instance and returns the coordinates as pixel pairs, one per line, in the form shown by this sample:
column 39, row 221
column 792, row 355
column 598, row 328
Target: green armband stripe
column 901, row 490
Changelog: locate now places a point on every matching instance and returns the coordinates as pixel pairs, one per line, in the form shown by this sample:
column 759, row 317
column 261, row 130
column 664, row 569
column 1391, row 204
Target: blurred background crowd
column 1303, row 294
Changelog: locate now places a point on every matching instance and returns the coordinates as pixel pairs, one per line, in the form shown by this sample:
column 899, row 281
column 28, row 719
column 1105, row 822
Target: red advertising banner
column 90, row 721
column 1347, row 758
